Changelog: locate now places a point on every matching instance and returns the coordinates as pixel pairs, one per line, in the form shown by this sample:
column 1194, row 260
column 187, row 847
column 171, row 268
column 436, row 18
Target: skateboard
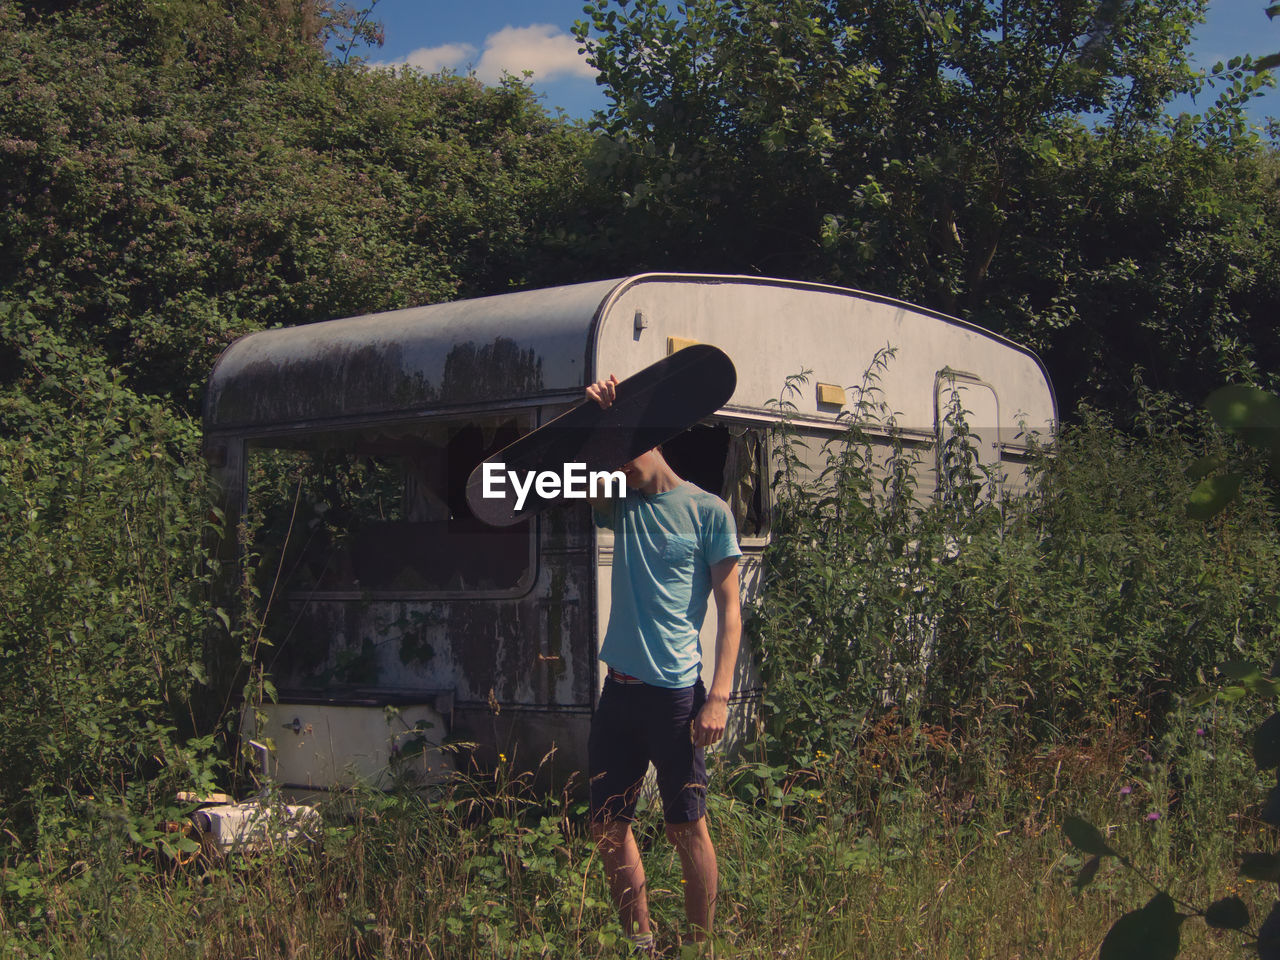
column 652, row 406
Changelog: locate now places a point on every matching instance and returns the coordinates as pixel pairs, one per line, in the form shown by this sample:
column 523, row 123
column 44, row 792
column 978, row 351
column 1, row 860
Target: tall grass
column 488, row 870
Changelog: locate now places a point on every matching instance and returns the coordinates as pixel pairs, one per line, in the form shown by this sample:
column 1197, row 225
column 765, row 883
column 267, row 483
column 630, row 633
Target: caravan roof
column 544, row 344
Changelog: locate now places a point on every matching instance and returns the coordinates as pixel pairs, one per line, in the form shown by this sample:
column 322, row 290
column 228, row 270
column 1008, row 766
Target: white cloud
column 455, row 56
column 542, row 48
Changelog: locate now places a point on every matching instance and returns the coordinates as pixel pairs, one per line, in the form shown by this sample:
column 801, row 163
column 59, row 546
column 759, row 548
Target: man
column 673, row 544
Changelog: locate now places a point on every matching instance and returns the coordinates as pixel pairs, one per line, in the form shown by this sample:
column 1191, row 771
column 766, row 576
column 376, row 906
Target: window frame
column 527, row 419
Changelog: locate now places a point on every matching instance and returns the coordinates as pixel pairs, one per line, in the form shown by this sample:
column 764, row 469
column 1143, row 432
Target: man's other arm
column 708, row 726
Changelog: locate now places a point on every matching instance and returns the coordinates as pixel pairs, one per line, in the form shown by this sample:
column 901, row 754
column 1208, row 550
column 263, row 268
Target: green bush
column 104, row 603
column 1002, row 616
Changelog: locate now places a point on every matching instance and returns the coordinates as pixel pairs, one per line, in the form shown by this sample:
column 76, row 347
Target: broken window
column 727, row 460
column 382, row 509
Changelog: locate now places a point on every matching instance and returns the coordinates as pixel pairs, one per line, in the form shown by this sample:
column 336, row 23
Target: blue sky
column 488, row 36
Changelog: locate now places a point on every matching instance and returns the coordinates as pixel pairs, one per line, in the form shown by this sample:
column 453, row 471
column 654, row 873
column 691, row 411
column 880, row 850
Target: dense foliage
column 1156, row 929
column 104, row 596
column 1008, row 615
column 178, row 174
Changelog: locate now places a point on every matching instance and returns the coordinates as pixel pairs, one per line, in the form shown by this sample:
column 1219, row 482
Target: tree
column 949, row 153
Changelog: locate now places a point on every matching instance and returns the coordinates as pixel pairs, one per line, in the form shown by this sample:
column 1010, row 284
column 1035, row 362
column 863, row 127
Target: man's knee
column 610, row 835
column 688, row 834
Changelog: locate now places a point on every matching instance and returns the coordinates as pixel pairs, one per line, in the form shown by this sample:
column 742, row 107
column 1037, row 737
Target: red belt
column 620, row 677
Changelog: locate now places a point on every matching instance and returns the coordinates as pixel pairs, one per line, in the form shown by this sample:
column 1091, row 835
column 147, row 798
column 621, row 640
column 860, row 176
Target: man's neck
column 663, row 481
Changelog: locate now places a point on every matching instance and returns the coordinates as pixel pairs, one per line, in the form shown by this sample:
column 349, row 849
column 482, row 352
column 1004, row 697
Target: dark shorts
column 638, row 724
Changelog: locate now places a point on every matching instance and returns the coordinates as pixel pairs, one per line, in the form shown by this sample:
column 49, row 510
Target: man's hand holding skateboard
column 604, row 392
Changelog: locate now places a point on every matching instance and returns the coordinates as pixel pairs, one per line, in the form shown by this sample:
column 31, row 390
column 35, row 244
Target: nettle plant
column 1154, row 930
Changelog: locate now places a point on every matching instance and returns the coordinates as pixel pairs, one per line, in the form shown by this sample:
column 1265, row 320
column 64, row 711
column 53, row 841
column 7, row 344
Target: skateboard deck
column 652, row 406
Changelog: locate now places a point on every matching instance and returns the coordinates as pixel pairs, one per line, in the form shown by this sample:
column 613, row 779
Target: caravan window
column 382, row 509
column 966, row 423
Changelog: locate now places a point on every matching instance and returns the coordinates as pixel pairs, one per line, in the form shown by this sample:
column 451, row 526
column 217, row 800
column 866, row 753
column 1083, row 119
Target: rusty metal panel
column 519, row 672
column 323, row 744
column 553, row 744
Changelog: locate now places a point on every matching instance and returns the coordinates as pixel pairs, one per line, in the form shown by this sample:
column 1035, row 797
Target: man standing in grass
column 674, row 544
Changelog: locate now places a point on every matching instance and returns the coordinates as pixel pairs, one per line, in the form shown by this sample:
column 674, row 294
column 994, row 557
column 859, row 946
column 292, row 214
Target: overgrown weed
column 487, row 869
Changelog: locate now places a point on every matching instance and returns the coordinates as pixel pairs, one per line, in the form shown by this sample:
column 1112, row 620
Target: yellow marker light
column 678, row 343
column 829, row 393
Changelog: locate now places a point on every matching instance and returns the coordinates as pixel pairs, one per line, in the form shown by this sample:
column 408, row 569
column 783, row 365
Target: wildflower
column 1153, row 816
column 502, row 758
column 1126, row 790
column 1199, row 731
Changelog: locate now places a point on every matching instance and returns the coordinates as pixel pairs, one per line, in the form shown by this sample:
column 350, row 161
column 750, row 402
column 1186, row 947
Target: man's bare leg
column 698, row 862
column 622, row 866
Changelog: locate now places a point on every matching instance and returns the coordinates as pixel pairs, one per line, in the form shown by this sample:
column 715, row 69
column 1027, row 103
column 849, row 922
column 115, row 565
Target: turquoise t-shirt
column 663, row 549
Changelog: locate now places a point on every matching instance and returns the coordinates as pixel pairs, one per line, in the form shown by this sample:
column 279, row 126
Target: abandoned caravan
column 398, row 622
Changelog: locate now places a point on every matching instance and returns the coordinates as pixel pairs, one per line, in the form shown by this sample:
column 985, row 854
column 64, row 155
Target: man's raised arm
column 603, row 392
